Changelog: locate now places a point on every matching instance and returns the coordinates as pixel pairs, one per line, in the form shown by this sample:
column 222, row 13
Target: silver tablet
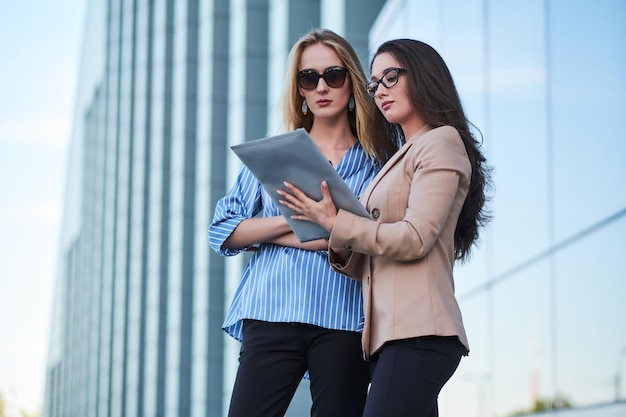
column 295, row 158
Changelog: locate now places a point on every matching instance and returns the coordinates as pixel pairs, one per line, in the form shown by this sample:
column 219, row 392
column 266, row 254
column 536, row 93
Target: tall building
column 165, row 88
column 543, row 296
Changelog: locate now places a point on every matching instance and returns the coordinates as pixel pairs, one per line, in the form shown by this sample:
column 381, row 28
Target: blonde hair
column 375, row 144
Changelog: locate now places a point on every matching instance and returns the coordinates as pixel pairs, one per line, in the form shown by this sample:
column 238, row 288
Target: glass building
column 543, row 297
column 167, row 86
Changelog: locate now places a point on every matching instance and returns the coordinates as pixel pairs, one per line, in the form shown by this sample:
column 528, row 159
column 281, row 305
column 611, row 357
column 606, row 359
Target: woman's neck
column 410, row 129
column 334, row 140
column 332, row 136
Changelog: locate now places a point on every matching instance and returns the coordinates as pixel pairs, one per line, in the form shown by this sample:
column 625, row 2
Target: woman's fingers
column 325, row 191
column 288, row 200
column 322, row 212
column 295, row 190
column 294, row 198
column 305, row 207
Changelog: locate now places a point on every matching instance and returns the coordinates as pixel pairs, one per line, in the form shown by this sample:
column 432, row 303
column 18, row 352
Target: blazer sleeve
column 352, row 266
column 438, row 170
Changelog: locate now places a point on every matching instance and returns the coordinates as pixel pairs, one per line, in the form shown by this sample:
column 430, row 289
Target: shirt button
column 347, row 247
column 375, row 213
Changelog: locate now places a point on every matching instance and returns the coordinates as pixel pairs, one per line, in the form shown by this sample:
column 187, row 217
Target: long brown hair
column 434, row 96
column 375, row 143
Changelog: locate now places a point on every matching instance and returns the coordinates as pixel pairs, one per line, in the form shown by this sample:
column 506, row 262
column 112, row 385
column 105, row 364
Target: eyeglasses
column 334, row 77
column 389, row 79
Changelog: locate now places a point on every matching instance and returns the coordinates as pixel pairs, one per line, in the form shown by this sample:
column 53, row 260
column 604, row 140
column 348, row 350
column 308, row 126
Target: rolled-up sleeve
column 242, row 202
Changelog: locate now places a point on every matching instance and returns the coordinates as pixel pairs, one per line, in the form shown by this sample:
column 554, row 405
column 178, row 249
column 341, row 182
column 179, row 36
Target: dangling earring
column 351, row 104
column 305, row 108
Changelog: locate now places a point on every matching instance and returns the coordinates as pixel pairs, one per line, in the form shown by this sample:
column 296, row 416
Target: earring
column 351, row 103
column 305, row 108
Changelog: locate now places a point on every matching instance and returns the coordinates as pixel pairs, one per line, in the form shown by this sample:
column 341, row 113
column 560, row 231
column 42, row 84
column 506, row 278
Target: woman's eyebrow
column 374, row 78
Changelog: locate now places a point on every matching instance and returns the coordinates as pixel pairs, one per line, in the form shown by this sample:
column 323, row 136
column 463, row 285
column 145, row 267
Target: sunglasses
column 334, row 77
column 389, row 79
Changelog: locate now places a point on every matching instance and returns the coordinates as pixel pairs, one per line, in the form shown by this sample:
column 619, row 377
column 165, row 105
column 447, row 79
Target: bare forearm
column 290, row 239
column 257, row 230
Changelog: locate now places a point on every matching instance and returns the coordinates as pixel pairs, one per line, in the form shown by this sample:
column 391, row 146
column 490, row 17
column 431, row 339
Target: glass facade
column 543, row 296
column 165, row 88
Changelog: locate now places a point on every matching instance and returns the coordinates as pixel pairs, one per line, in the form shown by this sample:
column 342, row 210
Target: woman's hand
column 322, row 212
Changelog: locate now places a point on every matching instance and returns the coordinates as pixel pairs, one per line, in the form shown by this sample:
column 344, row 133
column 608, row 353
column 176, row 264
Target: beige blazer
column 404, row 254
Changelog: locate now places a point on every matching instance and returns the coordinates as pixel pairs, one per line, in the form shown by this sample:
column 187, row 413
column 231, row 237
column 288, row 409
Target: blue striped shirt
column 285, row 284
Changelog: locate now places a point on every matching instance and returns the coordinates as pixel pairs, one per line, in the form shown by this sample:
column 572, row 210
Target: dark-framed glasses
column 334, row 77
column 389, row 79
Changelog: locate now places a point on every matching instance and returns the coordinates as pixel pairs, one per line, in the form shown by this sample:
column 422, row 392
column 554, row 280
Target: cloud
column 39, row 212
column 46, row 130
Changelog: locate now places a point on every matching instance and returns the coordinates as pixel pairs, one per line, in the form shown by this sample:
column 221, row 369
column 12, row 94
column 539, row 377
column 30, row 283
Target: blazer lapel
column 392, row 161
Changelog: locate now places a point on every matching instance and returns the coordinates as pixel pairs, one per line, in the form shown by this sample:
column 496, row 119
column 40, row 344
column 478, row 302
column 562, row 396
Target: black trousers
column 407, row 376
column 275, row 356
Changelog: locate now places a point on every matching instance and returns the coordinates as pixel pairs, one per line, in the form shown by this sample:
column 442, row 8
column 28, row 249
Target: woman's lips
column 386, row 104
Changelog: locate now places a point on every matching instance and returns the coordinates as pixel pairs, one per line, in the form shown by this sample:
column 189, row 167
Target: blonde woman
column 291, row 311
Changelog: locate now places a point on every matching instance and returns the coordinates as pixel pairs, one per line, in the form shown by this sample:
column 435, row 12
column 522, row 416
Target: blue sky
column 40, row 43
